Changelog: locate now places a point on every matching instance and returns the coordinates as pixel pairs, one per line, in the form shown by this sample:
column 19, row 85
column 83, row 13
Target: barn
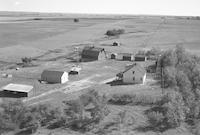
column 17, row 90
column 140, row 57
column 52, row 76
column 93, row 53
column 127, row 57
column 133, row 74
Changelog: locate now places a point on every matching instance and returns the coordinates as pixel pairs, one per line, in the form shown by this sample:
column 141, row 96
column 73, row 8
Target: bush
column 15, row 115
column 115, row 32
column 156, row 120
column 153, row 52
column 124, row 99
column 26, row 62
column 170, row 112
column 83, row 114
column 76, row 20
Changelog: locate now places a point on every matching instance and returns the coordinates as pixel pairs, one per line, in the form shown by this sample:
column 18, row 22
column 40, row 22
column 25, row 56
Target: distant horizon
column 105, row 14
column 122, row 7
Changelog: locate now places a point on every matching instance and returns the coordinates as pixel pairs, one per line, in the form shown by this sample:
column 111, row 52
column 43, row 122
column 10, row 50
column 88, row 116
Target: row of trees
column 81, row 114
column 181, row 75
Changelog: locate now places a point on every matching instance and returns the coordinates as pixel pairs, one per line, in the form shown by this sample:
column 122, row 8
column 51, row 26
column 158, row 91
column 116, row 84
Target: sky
column 135, row 7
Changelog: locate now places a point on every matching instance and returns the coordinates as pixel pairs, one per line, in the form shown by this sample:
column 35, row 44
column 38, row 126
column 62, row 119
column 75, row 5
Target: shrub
column 15, row 115
column 154, row 51
column 83, row 114
column 124, row 99
column 26, row 62
column 115, row 32
column 156, row 120
column 170, row 112
column 76, row 20
column 46, row 114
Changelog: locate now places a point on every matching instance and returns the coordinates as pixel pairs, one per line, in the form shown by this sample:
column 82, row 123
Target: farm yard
column 51, row 41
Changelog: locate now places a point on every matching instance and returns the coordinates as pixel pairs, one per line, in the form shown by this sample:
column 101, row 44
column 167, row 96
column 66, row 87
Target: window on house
column 141, row 79
column 133, row 72
column 133, row 78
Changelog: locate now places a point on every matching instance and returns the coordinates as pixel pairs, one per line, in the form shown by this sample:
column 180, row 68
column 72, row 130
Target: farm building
column 133, row 74
column 116, row 44
column 93, row 53
column 127, row 57
column 51, row 76
column 113, row 56
column 140, row 57
column 17, row 90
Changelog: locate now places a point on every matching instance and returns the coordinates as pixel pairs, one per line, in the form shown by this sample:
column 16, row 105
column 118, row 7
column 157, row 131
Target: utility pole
column 162, row 73
column 76, row 49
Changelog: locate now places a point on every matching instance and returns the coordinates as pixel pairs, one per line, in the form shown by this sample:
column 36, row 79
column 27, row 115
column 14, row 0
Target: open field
column 51, row 39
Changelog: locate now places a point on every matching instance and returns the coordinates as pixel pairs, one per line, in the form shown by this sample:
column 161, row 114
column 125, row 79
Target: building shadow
column 117, row 83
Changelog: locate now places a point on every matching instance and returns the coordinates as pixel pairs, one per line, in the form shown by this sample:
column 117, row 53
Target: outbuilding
column 116, row 44
column 91, row 53
column 133, row 74
column 52, row 76
column 17, row 90
column 127, row 57
column 140, row 57
column 113, row 56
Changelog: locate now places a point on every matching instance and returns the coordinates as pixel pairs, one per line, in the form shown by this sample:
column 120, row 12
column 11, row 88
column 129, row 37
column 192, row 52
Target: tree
column 169, row 112
column 84, row 113
column 115, row 32
column 170, row 77
column 168, row 58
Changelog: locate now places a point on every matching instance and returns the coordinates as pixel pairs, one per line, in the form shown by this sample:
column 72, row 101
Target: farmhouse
column 17, row 90
column 93, row 53
column 51, row 76
column 139, row 57
column 127, row 57
column 133, row 74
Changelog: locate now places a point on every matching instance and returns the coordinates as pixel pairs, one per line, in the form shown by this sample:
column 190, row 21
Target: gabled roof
column 91, row 52
column 18, row 87
column 53, row 73
column 138, row 67
column 92, row 48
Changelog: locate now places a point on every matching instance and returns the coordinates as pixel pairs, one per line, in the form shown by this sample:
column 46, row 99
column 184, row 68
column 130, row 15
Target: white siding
column 137, row 77
column 64, row 77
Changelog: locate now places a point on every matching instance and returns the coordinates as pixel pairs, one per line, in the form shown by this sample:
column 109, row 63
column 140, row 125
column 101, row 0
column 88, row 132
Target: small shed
column 116, row 44
column 113, row 56
column 52, row 76
column 93, row 53
column 17, row 90
column 133, row 74
column 127, row 57
column 139, row 57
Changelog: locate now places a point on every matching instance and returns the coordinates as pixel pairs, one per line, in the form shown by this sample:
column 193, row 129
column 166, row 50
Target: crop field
column 51, row 41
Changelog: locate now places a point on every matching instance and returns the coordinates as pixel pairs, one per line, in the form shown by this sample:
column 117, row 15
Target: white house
column 133, row 74
column 51, row 76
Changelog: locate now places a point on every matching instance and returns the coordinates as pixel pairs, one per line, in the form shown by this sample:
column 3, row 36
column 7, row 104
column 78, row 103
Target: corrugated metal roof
column 18, row 87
